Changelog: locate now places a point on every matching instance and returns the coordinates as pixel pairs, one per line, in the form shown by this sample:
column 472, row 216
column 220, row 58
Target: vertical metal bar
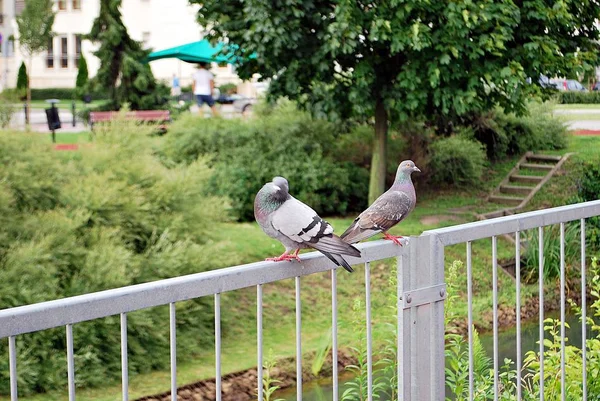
column 541, row 305
column 495, row 296
column 12, row 359
column 218, row 346
column 70, row 363
column 298, row 342
column 173, row 346
column 400, row 328
column 259, row 340
column 583, row 311
column 562, row 312
column 518, row 309
column 470, row 318
column 124, row 367
column 334, row 345
column 369, row 339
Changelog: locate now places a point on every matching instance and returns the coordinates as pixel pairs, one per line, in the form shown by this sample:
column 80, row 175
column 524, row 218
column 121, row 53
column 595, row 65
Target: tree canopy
column 122, row 61
column 407, row 58
column 35, row 26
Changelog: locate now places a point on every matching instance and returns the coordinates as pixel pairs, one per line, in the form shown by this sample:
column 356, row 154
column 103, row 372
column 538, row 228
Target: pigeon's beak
column 415, row 168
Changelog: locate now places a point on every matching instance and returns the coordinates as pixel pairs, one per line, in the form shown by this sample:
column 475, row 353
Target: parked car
column 545, row 82
column 596, row 86
column 568, row 85
column 244, row 105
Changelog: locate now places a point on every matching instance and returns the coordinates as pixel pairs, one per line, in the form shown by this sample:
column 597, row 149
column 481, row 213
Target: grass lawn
column 245, row 242
column 579, row 117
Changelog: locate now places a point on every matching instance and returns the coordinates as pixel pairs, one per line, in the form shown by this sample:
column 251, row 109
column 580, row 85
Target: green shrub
column 456, row 160
column 508, row 134
column 63, row 94
column 22, row 80
column 81, row 82
column 228, row 88
column 109, row 216
column 588, row 189
column 283, row 141
column 569, row 97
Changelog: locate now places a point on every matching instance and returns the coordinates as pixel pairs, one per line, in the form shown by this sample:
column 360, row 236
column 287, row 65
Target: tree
column 22, row 80
column 35, row 32
column 82, row 77
column 122, row 59
column 388, row 60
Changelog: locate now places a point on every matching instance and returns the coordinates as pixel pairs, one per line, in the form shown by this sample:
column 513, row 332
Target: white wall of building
column 160, row 24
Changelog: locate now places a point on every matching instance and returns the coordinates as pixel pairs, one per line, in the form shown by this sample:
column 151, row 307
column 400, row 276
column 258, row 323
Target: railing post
column 424, row 292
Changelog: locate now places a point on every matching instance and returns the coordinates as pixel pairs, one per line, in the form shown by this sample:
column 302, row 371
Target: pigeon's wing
column 302, row 224
column 387, row 211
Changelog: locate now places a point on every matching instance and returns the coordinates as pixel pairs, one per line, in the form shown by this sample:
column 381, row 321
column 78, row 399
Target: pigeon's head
column 277, row 190
column 406, row 168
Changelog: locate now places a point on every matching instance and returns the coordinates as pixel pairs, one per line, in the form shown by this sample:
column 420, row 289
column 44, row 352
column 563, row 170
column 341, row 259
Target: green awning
column 196, row 52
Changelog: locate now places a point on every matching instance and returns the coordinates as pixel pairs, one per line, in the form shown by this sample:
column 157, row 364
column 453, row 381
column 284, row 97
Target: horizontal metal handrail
column 45, row 315
column 518, row 222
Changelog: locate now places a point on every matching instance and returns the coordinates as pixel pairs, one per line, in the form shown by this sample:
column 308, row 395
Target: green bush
column 22, row 80
column 63, row 94
column 81, row 82
column 456, row 160
column 588, row 189
column 109, row 216
column 508, row 134
column 309, row 152
column 569, row 97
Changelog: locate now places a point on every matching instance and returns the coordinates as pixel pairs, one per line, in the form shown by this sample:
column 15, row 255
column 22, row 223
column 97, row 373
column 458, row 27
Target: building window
column 76, row 5
column 77, row 49
column 64, row 53
column 50, row 55
column 62, row 5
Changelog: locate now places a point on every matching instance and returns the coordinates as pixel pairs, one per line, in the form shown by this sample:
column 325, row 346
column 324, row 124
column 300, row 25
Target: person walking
column 203, row 85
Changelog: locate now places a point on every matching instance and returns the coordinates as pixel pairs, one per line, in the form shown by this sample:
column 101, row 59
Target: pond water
column 322, row 389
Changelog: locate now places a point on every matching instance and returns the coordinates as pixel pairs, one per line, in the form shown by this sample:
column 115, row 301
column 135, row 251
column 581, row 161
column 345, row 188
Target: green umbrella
column 196, row 52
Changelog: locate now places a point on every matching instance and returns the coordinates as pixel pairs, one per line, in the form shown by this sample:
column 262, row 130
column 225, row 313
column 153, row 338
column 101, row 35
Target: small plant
column 269, row 383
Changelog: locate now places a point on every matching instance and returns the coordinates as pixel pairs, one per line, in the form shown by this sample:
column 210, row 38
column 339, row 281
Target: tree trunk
column 378, row 161
column 28, row 116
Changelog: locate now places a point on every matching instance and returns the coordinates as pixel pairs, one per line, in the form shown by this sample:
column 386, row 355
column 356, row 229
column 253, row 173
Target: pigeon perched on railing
column 296, row 225
column 388, row 210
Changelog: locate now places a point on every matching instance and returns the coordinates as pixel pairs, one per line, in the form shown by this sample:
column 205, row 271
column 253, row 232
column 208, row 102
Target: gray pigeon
column 296, row 225
column 388, row 210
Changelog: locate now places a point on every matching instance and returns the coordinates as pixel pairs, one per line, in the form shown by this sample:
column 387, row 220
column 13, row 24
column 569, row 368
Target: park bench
column 158, row 116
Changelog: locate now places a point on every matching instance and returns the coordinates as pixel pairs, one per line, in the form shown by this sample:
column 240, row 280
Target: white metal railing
column 421, row 293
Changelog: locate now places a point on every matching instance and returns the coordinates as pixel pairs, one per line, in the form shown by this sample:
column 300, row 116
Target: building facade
column 159, row 24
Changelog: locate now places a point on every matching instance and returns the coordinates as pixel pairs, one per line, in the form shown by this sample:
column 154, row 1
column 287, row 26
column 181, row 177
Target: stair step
column 538, row 167
column 526, row 178
column 543, row 158
column 510, row 200
column 514, row 189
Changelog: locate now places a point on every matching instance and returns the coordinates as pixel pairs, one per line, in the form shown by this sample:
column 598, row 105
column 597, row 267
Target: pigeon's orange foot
column 394, row 238
column 285, row 256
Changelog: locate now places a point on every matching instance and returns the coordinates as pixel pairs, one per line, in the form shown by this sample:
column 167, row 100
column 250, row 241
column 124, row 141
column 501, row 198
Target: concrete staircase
column 522, row 183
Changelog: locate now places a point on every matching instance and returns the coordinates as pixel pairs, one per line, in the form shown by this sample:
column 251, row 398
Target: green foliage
column 81, row 81
column 588, row 189
column 456, row 160
column 64, row 93
column 228, row 88
column 35, row 26
column 448, row 58
column 270, row 385
column 282, row 141
column 7, row 109
column 507, row 134
column 106, row 217
column 551, row 244
column 22, row 80
column 572, row 97
column 121, row 59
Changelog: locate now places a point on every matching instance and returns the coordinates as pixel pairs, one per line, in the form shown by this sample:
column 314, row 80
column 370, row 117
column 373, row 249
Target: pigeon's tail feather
column 339, row 261
column 356, row 234
column 333, row 244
